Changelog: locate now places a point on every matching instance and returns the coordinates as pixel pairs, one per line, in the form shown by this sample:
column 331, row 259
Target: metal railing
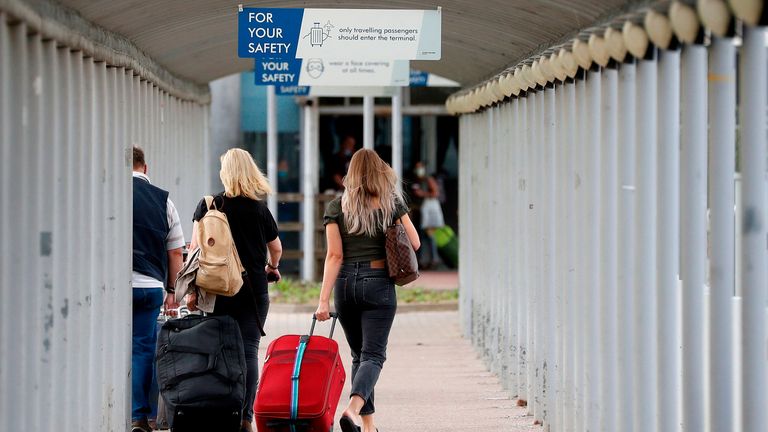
column 586, row 201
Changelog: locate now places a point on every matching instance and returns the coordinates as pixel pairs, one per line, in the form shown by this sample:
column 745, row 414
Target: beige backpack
column 221, row 271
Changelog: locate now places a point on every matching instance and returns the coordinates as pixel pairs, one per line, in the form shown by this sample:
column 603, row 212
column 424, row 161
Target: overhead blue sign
column 361, row 34
column 268, row 32
column 291, row 90
column 273, row 71
column 418, row 78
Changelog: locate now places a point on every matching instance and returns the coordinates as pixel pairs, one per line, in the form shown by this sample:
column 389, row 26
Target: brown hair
column 369, row 177
column 138, row 157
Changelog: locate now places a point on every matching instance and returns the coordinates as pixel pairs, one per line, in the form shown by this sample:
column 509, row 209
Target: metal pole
column 568, row 367
column 523, row 310
column 694, row 231
column 368, row 117
column 753, row 227
column 308, row 189
column 550, row 262
column 722, row 148
column 580, row 259
column 625, row 273
column 609, row 250
column 397, row 134
column 668, row 239
column 272, row 149
column 591, row 151
column 646, row 417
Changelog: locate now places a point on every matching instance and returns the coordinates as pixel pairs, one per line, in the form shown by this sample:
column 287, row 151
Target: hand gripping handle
column 335, row 317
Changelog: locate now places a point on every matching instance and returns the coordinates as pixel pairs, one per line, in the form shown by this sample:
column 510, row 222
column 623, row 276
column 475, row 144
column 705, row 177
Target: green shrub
column 294, row 292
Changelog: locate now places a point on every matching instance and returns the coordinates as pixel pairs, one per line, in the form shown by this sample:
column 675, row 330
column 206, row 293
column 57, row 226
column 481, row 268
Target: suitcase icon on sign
column 316, row 36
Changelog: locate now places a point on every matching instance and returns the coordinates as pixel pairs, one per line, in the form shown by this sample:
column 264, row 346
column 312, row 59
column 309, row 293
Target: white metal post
column 368, row 118
column 668, row 239
column 569, row 357
column 625, row 273
column 646, row 418
column 397, row 134
column 694, row 231
column 309, row 165
column 722, row 150
column 609, row 250
column 753, row 227
column 560, row 175
column 591, row 155
column 523, row 309
column 272, row 149
column 580, row 259
column 550, row 263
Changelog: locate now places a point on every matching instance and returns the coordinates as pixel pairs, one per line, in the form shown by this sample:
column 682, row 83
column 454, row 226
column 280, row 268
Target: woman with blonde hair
column 255, row 234
column 355, row 270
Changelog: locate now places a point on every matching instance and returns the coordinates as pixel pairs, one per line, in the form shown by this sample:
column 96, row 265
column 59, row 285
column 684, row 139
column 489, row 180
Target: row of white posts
column 599, row 254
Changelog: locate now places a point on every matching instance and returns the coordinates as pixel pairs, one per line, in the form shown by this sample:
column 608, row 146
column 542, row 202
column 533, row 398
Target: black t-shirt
column 252, row 228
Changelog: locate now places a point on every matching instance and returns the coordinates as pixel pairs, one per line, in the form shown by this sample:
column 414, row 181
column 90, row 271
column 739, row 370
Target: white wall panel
column 67, row 122
column 606, row 304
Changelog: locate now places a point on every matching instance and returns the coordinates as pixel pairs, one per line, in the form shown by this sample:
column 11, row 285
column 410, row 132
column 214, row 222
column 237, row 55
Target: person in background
column 157, row 257
column 427, row 190
column 355, row 271
column 254, row 231
column 341, row 161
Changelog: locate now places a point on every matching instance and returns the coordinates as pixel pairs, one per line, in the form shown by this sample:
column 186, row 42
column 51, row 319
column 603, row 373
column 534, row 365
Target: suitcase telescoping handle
column 334, row 315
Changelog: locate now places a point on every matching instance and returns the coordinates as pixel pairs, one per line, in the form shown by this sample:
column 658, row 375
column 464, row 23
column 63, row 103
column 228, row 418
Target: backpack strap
column 208, row 202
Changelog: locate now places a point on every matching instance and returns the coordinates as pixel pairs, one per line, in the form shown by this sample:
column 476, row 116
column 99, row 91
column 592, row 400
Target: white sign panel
column 319, row 72
column 371, row 34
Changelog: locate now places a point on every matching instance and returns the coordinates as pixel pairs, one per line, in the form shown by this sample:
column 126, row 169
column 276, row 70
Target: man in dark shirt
column 157, row 258
column 341, row 161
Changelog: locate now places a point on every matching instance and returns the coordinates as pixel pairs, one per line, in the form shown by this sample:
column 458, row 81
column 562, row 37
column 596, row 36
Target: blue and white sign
column 426, row 79
column 335, row 91
column 320, row 72
column 362, row 34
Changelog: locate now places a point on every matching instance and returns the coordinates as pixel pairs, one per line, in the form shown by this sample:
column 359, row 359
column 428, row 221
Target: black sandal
column 347, row 425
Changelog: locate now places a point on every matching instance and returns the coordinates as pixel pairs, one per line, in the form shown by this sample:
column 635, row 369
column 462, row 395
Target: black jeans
column 249, row 330
column 366, row 301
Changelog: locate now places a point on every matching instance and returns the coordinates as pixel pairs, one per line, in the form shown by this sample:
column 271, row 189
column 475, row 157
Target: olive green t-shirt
column 360, row 247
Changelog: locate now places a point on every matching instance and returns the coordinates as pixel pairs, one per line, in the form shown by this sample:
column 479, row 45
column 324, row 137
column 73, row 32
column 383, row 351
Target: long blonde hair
column 369, row 177
column 241, row 176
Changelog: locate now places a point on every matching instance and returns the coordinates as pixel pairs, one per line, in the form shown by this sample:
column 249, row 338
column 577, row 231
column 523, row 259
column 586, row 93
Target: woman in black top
column 355, row 270
column 255, row 234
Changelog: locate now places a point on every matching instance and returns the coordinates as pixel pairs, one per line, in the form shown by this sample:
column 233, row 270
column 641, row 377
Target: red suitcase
column 300, row 396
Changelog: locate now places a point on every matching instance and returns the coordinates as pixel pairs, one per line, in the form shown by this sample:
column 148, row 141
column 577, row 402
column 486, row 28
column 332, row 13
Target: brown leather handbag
column 401, row 258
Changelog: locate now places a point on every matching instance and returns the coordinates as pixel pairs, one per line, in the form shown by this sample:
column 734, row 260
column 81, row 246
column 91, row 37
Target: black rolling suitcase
column 201, row 373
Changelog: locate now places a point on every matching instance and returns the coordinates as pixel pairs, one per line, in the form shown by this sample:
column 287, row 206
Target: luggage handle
column 334, row 315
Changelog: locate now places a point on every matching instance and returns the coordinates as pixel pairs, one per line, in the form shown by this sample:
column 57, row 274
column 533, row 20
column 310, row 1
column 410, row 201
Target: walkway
column 432, row 381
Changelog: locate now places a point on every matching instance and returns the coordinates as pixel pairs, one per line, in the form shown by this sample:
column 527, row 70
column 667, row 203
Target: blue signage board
column 291, row 90
column 418, row 78
column 361, row 34
column 277, row 71
column 268, row 32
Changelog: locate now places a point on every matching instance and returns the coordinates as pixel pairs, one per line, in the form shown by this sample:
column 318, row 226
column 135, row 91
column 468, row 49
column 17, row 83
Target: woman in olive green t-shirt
column 355, row 270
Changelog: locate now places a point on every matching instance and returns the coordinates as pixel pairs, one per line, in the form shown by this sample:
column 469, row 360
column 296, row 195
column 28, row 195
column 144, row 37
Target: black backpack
column 201, row 372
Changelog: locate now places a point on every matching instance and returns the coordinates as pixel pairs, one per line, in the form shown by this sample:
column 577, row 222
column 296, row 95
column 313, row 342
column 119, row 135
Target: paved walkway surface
column 432, row 380
column 437, row 280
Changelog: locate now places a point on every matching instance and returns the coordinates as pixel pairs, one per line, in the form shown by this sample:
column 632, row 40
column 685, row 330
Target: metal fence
column 601, row 251
column 67, row 123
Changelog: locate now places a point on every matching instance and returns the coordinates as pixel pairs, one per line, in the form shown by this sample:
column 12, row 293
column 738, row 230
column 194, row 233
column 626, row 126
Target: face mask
column 420, row 172
column 282, row 174
column 347, row 152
